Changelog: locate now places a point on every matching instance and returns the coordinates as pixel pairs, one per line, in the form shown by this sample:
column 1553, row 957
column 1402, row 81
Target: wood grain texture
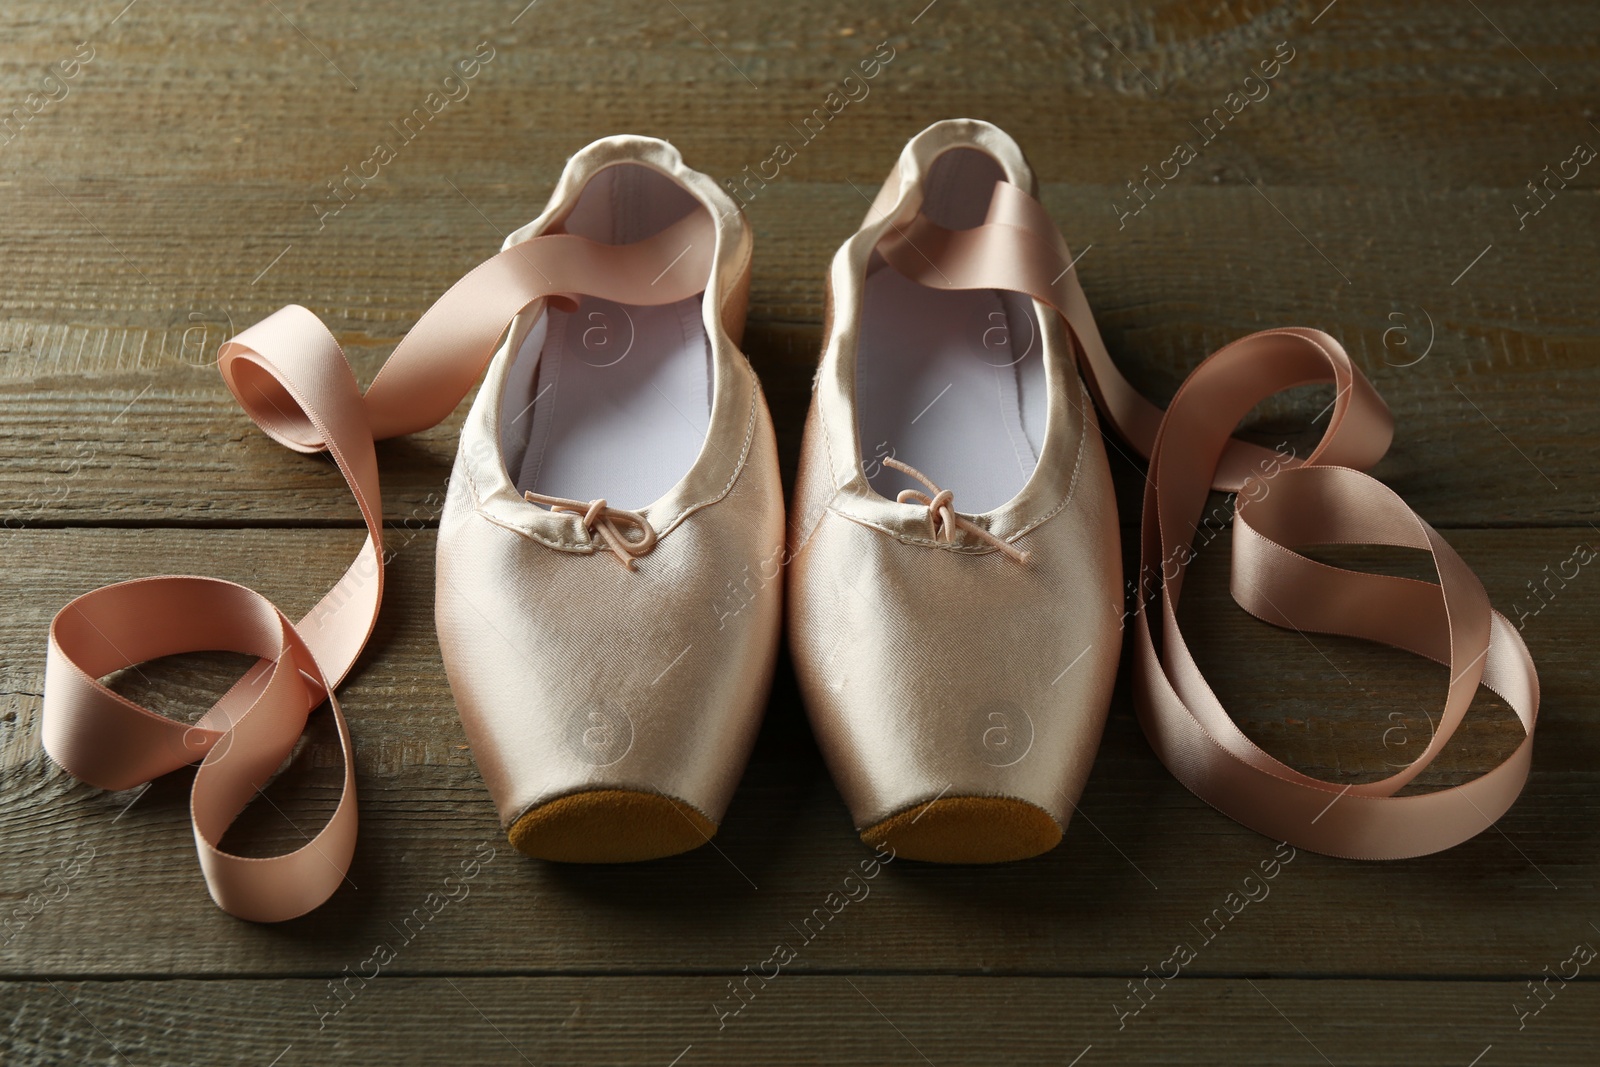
column 1143, row 862
column 176, row 188
column 795, row 1019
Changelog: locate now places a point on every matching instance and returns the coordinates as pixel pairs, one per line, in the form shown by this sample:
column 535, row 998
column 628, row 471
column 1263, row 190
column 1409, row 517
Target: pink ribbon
column 1323, row 499
column 291, row 377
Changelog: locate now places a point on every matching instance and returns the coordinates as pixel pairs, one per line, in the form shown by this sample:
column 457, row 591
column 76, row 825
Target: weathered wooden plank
column 179, row 189
column 1363, row 100
column 798, row 1019
column 1146, row 862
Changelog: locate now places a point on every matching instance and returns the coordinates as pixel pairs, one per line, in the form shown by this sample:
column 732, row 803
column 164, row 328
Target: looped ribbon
column 598, row 517
column 1283, row 504
column 291, row 377
column 943, row 519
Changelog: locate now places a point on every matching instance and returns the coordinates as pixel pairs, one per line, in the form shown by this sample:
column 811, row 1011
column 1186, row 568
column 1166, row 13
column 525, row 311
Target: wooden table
column 169, row 182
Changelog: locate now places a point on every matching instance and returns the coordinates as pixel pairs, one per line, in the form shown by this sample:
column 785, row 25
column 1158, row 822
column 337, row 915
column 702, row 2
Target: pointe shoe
column 616, row 476
column 954, row 591
column 616, row 481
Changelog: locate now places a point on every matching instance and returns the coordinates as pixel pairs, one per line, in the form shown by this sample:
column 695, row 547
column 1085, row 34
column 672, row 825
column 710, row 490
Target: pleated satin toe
column 954, row 597
column 616, row 485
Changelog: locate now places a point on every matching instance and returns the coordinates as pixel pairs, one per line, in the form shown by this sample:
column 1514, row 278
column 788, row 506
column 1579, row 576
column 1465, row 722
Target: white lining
column 951, row 382
column 620, row 402
column 611, row 401
column 940, row 385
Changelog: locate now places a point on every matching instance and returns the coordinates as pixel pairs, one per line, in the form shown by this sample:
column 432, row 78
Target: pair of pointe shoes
column 614, row 565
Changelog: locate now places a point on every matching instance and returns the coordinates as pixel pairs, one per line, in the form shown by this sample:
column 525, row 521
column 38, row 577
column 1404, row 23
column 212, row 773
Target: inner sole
column 952, row 383
column 609, row 400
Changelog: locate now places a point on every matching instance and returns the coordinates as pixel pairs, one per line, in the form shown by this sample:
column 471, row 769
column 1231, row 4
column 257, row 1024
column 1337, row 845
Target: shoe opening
column 951, row 382
column 628, row 202
column 611, row 400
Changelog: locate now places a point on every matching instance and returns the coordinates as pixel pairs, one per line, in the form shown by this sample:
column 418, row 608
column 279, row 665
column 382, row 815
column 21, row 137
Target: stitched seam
column 556, row 350
column 800, row 546
column 1083, row 447
column 822, row 424
column 478, row 509
column 806, row 536
column 738, row 468
column 582, row 547
column 948, row 546
column 827, row 448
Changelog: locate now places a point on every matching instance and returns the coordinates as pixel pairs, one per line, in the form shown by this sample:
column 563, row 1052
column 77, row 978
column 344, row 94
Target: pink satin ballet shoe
column 616, row 482
column 955, row 586
column 956, row 643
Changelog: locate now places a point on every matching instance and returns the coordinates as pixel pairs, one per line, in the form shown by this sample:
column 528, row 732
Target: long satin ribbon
column 1283, row 504
column 291, row 377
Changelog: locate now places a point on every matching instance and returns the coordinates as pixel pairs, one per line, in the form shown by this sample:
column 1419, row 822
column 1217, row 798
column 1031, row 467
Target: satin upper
column 933, row 666
column 571, row 672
